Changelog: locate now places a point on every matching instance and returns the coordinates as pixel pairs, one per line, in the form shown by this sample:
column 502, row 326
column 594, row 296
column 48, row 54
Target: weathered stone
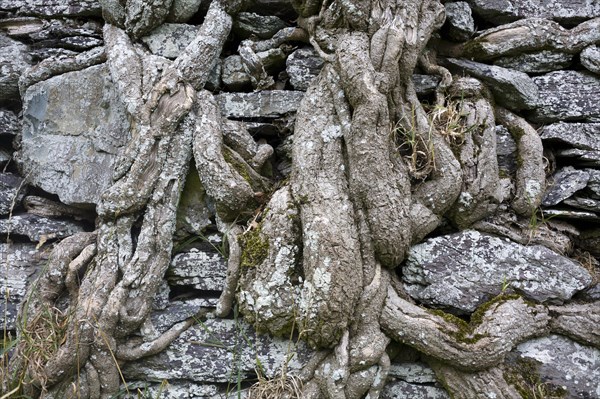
column 590, row 58
column 565, row 182
column 459, row 21
column 213, row 83
column 39, row 228
column 183, row 10
column 13, row 61
column 563, row 363
column 9, row 123
column 569, row 214
column 569, row 11
column 540, row 62
column 202, row 270
column 248, row 24
column 506, row 148
column 236, row 78
column 216, row 350
column 419, row 373
column 587, row 204
column 594, row 182
column 19, row 263
column 170, row 40
column 512, row 89
column 193, row 213
column 461, row 271
column 264, row 104
column 585, row 136
column 586, row 158
column 302, row 66
column 53, row 8
column 74, row 125
column 12, row 191
column 589, row 240
column 178, row 310
column 173, row 390
column 567, row 96
column 5, row 156
column 425, row 84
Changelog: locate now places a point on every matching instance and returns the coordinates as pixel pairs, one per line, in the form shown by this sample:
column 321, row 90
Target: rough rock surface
column 503, row 11
column 183, row 10
column 14, row 59
column 235, row 76
column 200, row 269
column 12, row 190
column 506, row 148
column 564, row 183
column 52, row 8
column 9, row 123
column 538, row 62
column 512, row 89
column 302, row 66
column 590, row 58
column 585, row 136
column 169, row 40
column 248, row 24
column 39, row 228
column 567, row 96
column 459, row 21
column 461, row 271
column 73, row 127
column 563, row 363
column 264, row 104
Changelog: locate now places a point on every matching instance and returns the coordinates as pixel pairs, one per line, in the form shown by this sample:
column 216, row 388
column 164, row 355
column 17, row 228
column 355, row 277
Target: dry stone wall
column 62, row 128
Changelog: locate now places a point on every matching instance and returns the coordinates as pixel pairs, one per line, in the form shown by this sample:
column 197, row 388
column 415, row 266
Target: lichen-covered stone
column 594, row 182
column 564, row 183
column 236, row 78
column 14, row 59
column 39, row 228
column 12, row 190
column 567, row 96
column 461, row 271
column 248, row 24
column 302, row 66
column 398, row 389
column 512, row 89
column 585, row 136
column 73, row 126
column 170, row 40
column 590, row 58
column 194, row 211
column 506, row 148
column 53, row 8
column 537, row 62
column 569, row 11
column 9, row 123
column 183, row 10
column 200, row 269
column 459, row 21
column 263, row 104
column 563, row 363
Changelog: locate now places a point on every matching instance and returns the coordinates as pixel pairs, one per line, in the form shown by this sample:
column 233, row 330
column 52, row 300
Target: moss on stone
column 525, row 377
column 255, row 248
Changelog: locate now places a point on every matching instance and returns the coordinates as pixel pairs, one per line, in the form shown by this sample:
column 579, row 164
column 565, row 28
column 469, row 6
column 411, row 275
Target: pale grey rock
column 398, row 389
column 200, row 269
column 459, row 21
column 594, row 182
column 53, row 8
column 413, row 372
column 587, row 204
column 73, row 126
column 170, row 40
column 539, row 62
column 425, row 84
column 563, row 363
column 183, row 10
column 585, row 136
column 236, row 78
column 12, row 191
column 9, row 123
column 194, row 211
column 585, row 158
column 568, row 11
column 512, row 89
column 39, row 228
column 590, row 58
column 213, row 83
column 171, row 390
column 20, row 262
column 248, row 24
column 302, row 66
column 263, row 104
column 5, row 156
column 217, row 349
column 567, row 96
column 506, row 149
column 564, row 183
column 572, row 214
column 14, row 59
column 178, row 310
column 461, row 271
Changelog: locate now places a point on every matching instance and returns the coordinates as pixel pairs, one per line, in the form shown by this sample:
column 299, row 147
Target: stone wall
column 62, row 128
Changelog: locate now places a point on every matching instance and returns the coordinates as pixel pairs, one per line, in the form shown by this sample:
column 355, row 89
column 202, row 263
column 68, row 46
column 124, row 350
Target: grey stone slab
column 9, row 123
column 14, row 59
column 413, row 372
column 567, row 96
column 201, row 269
column 587, row 204
column 459, row 21
column 569, row 11
column 585, row 136
column 39, row 228
column 12, row 191
column 461, row 271
column 262, row 104
column 249, row 24
column 563, row 184
column 564, row 363
column 236, row 78
column 538, row 62
column 302, row 66
column 170, row 40
column 398, row 389
column 183, row 10
column 74, row 125
column 594, row 181
column 506, row 149
column 512, row 89
column 572, row 214
column 590, row 58
column 53, row 8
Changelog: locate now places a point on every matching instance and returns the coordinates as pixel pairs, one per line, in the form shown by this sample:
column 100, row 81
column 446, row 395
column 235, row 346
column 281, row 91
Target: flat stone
column 20, row 262
column 589, row 240
column 170, row 40
column 590, row 58
column 538, row 62
column 302, row 66
column 217, row 349
column 183, row 10
column 263, row 104
column 459, row 21
column 425, row 84
column 398, row 389
column 512, row 89
column 12, row 191
column 506, row 149
column 585, row 136
column 236, row 78
column 9, row 123
column 567, row 96
column 568, row 11
column 564, row 183
column 563, row 363
column 53, row 8
column 587, row 204
column 74, row 125
column 594, row 181
column 249, row 24
column 571, row 214
column 14, row 59
column 200, row 269
column 172, row 390
column 413, row 372
column 585, row 158
column 461, row 271
column 39, row 228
